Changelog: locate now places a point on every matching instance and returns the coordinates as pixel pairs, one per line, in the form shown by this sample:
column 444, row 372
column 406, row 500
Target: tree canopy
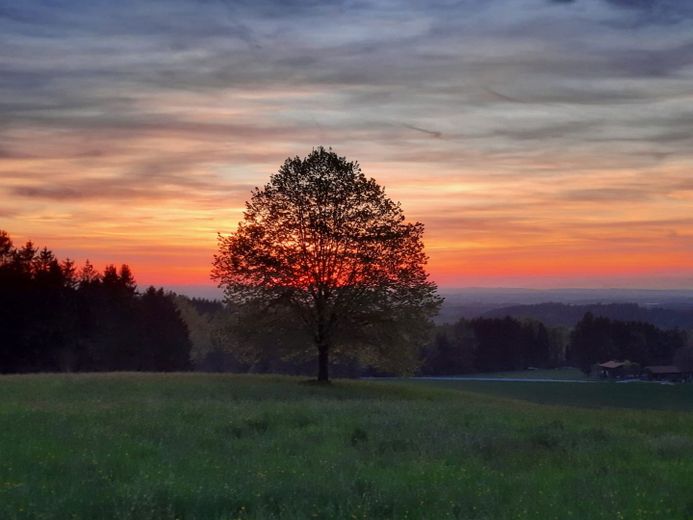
column 322, row 250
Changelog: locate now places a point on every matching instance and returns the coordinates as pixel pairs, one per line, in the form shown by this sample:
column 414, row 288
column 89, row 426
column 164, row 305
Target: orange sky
column 542, row 145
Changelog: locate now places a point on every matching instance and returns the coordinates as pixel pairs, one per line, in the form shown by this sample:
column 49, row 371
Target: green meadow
column 633, row 395
column 145, row 446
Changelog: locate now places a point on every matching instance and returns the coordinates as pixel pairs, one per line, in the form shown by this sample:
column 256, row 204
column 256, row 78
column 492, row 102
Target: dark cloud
column 432, row 133
column 143, row 184
column 16, row 14
column 8, row 213
column 641, row 13
column 50, row 193
column 495, row 95
column 660, row 224
column 607, row 195
column 637, row 4
column 658, row 8
column 653, row 63
column 572, row 129
column 645, row 11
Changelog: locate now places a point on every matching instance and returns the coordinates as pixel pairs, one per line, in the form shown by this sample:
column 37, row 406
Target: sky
column 543, row 143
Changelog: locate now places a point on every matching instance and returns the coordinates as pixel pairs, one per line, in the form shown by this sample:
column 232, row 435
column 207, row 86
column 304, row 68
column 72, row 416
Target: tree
column 683, row 358
column 597, row 339
column 452, row 351
column 56, row 317
column 322, row 243
column 164, row 337
column 590, row 342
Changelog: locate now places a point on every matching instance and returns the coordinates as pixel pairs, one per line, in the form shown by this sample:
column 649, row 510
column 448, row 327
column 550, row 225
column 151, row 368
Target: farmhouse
column 667, row 373
column 613, row 369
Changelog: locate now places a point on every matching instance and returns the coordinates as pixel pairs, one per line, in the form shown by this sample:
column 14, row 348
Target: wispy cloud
column 508, row 126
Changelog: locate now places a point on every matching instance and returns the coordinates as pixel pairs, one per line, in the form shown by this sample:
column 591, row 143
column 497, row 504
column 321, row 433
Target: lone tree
column 323, row 246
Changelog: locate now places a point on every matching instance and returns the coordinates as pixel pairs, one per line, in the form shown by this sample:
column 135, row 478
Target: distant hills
column 561, row 314
column 564, row 307
column 554, row 307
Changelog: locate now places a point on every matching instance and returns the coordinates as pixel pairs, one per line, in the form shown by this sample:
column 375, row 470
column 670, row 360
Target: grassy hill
column 220, row 447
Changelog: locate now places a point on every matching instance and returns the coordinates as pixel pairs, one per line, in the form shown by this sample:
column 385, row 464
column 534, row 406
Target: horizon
column 620, row 295
column 543, row 143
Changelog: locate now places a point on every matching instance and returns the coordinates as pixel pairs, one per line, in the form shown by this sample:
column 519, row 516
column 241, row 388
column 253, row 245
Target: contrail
column 432, row 133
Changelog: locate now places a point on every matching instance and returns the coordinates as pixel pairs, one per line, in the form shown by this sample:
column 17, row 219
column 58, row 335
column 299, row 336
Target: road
column 478, row 378
column 511, row 379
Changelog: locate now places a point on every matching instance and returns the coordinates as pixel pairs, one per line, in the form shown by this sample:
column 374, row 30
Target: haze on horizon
column 542, row 143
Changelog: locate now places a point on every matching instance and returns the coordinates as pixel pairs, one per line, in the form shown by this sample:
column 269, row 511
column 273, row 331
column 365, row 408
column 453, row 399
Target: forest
column 504, row 344
column 56, row 317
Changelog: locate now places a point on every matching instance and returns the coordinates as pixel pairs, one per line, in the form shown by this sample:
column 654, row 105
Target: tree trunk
column 323, row 353
column 322, row 340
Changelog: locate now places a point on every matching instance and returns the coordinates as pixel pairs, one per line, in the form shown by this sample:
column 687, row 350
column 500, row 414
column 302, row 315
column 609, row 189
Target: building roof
column 664, row 369
column 612, row 364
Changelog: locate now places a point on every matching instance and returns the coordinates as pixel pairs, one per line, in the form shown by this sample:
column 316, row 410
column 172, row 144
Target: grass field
column 221, row 447
column 633, row 395
column 558, row 373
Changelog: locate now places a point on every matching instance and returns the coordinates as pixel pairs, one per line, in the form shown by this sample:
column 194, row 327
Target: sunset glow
column 542, row 143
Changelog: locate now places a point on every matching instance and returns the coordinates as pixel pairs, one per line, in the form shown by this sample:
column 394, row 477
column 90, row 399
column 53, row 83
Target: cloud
column 656, row 10
column 432, row 133
column 503, row 121
column 645, row 11
column 606, row 195
column 152, row 183
column 7, row 213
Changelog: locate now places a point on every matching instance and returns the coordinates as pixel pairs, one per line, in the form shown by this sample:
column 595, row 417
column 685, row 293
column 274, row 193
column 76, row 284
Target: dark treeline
column 561, row 314
column 54, row 317
column 493, row 344
column 468, row 346
column 503, row 344
column 214, row 332
column 598, row 339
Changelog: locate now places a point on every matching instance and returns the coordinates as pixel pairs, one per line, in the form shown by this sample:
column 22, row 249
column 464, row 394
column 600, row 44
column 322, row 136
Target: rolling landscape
column 565, row 307
column 336, row 259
